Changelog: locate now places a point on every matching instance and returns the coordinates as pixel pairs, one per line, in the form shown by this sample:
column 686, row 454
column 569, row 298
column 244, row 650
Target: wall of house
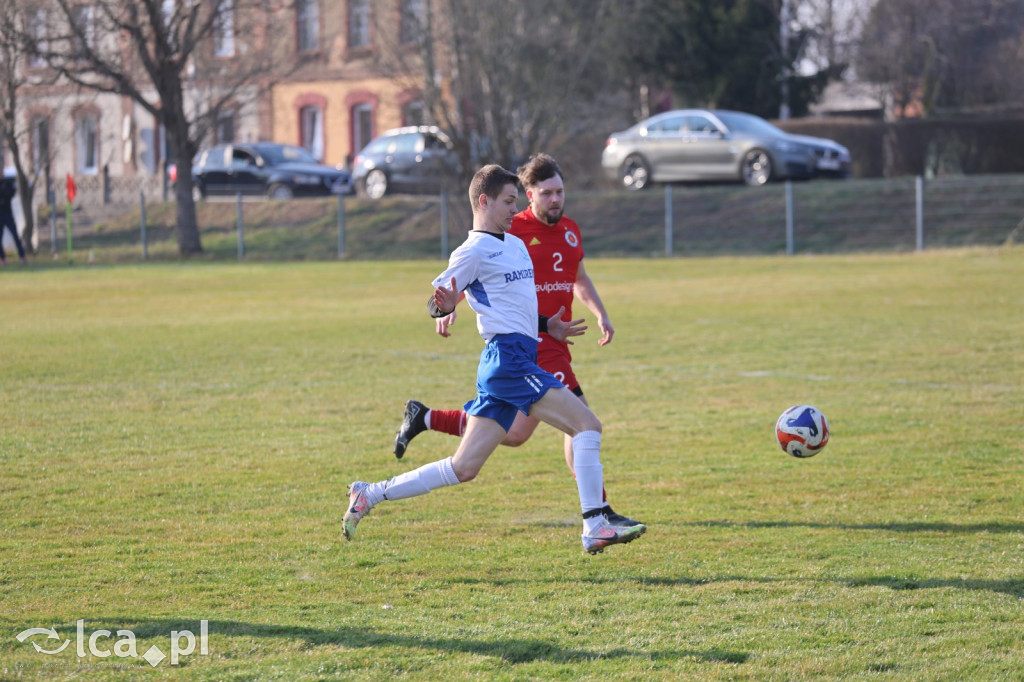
column 336, row 98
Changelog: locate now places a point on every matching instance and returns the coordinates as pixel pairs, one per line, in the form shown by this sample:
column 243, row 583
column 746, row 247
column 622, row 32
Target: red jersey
column 556, row 251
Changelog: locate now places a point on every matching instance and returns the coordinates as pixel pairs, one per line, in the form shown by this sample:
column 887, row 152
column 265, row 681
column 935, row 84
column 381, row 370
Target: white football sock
column 416, row 482
column 586, row 448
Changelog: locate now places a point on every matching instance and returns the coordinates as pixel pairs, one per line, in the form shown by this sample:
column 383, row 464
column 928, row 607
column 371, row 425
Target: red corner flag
column 72, row 190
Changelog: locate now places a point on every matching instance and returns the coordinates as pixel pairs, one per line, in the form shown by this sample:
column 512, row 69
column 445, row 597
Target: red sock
column 452, row 422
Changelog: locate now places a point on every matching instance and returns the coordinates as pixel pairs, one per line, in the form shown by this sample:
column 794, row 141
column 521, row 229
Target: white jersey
column 497, row 277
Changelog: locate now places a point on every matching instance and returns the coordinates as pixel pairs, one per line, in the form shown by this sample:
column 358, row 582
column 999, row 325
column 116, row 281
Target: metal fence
column 901, row 214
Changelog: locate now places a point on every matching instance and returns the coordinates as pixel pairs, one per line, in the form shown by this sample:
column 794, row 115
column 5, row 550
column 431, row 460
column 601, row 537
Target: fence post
column 919, row 210
column 668, row 220
column 444, row 223
column 341, row 226
column 241, row 228
column 51, row 198
column 142, row 212
column 789, row 218
column 105, row 181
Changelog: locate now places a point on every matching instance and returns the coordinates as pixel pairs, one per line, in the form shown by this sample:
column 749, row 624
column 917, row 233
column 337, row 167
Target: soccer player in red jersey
column 556, row 249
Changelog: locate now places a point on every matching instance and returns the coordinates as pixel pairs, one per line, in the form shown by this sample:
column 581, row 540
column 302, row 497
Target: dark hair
column 539, row 168
column 489, row 180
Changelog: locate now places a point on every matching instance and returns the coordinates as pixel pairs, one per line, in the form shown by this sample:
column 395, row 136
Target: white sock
column 416, row 482
column 586, row 448
column 426, row 418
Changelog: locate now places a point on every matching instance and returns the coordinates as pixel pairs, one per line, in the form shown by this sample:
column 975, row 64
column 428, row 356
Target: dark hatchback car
column 417, row 159
column 277, row 171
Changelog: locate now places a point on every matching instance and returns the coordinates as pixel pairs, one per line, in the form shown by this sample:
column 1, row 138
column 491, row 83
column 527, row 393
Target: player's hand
column 607, row 331
column 561, row 330
column 446, row 299
column 444, row 322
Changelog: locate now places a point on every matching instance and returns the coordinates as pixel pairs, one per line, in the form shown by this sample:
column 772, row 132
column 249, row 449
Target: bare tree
column 945, row 53
column 173, row 58
column 504, row 79
column 833, row 28
column 12, row 78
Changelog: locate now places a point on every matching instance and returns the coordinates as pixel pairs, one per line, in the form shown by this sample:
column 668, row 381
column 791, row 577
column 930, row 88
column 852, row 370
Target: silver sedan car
column 690, row 145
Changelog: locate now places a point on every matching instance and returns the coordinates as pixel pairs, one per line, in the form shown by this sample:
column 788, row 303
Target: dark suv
column 278, row 171
column 414, row 159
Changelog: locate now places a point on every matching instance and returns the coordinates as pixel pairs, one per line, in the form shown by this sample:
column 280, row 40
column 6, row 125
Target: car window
column 212, row 158
column 672, row 124
column 278, row 154
column 241, row 158
column 700, row 124
column 433, row 142
column 405, row 144
column 747, row 123
column 379, row 146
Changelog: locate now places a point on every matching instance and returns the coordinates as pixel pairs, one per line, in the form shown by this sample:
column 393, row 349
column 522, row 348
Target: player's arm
column 444, row 300
column 560, row 329
column 587, row 293
column 442, row 324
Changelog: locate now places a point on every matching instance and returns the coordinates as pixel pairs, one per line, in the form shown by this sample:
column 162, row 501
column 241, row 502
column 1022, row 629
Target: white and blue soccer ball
column 802, row 431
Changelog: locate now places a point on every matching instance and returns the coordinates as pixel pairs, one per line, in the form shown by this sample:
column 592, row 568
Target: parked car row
column 685, row 145
column 412, row 159
column 694, row 145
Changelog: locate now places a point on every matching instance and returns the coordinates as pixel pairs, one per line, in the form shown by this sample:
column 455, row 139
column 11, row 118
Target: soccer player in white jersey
column 494, row 271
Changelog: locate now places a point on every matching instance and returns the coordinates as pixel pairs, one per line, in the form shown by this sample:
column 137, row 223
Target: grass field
column 177, row 440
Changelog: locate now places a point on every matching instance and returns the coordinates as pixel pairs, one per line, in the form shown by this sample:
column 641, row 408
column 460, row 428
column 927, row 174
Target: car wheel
column 375, row 185
column 635, row 173
column 279, row 191
column 756, row 168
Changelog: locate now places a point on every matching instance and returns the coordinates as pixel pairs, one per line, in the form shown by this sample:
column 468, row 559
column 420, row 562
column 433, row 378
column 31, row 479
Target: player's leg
column 419, row 418
column 566, row 412
column 482, row 437
column 613, row 517
column 17, row 241
column 522, row 428
column 556, row 359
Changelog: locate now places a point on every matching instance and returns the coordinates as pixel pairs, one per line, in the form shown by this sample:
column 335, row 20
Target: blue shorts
column 508, row 379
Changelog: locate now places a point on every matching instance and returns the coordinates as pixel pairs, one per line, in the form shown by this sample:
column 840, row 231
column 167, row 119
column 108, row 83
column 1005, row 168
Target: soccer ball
column 802, row 431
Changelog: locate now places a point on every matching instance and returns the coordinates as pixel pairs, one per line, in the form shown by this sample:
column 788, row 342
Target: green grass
column 177, row 440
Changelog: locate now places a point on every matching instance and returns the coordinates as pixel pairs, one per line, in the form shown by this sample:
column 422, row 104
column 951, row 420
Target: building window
column 37, row 32
column 225, row 129
column 224, row 30
column 358, row 23
column 362, row 126
column 83, row 20
column 308, row 17
column 87, row 144
column 40, row 127
column 412, row 21
column 412, row 113
column 311, row 130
